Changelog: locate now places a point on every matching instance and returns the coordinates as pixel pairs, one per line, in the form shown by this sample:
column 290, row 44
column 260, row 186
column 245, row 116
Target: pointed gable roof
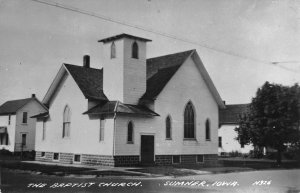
column 161, row 69
column 11, row 107
column 89, row 80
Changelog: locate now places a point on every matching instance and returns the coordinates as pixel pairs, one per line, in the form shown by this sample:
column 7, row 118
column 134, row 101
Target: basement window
column 200, row 158
column 43, row 154
column 77, row 158
column 176, row 159
column 56, row 156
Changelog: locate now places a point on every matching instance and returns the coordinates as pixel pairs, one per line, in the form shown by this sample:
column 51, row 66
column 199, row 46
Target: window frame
column 135, row 50
column 44, row 130
column 190, row 106
column 113, row 53
column 66, row 122
column 74, row 160
column 132, row 132
column 178, row 157
column 9, row 119
column 58, row 156
column 220, row 144
column 168, row 118
column 22, row 138
column 25, row 117
column 101, row 130
column 197, row 159
column 207, row 130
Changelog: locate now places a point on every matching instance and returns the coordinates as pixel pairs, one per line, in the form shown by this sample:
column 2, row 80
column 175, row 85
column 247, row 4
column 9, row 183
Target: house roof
column 230, row 115
column 89, row 80
column 109, row 39
column 111, row 107
column 11, row 107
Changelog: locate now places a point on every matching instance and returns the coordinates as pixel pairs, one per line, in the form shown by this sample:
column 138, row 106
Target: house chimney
column 33, row 96
column 86, row 61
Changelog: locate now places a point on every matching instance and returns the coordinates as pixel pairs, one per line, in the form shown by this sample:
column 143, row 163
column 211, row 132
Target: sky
column 237, row 40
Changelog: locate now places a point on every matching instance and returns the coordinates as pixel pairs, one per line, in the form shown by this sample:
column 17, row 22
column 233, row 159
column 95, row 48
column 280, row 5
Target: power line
column 171, row 36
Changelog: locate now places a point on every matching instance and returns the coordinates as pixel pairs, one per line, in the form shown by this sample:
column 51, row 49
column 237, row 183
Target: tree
column 273, row 118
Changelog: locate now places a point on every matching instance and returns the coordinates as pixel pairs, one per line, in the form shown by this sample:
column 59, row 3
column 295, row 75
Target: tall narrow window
column 9, row 119
column 66, row 121
column 24, row 117
column 130, row 133
column 189, row 122
column 135, row 50
column 23, row 139
column 168, row 127
column 113, row 50
column 220, row 141
column 101, row 137
column 44, row 130
column 207, row 129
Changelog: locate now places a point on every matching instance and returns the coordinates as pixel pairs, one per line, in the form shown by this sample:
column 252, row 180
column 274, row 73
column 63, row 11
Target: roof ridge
column 83, row 66
column 171, row 54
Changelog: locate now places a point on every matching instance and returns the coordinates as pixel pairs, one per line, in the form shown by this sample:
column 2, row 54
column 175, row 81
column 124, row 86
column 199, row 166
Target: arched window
column 130, row 132
column 189, row 122
column 168, row 127
column 113, row 50
column 66, row 121
column 207, row 129
column 135, row 50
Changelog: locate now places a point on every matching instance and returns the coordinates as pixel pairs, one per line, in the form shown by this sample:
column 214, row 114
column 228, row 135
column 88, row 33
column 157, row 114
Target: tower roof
column 112, row 38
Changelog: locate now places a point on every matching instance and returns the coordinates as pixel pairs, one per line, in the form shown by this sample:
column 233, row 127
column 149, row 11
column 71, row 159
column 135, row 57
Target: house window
column 200, row 158
column 23, row 139
column 56, row 156
column 66, row 121
column 220, row 141
column 44, row 130
column 101, row 136
column 135, row 50
column 176, row 159
column 113, row 50
column 130, row 132
column 189, row 122
column 207, row 130
column 168, row 127
column 9, row 119
column 24, row 117
column 77, row 158
column 4, row 139
column 43, row 154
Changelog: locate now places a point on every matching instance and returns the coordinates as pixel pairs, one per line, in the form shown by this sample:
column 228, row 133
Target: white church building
column 162, row 110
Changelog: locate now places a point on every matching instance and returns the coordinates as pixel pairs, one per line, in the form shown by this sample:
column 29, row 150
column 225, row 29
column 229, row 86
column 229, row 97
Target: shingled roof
column 89, row 80
column 160, row 70
column 112, row 107
column 11, row 107
column 230, row 115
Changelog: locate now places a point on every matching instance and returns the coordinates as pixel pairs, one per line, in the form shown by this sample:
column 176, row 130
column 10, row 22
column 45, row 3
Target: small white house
column 229, row 118
column 162, row 110
column 17, row 129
